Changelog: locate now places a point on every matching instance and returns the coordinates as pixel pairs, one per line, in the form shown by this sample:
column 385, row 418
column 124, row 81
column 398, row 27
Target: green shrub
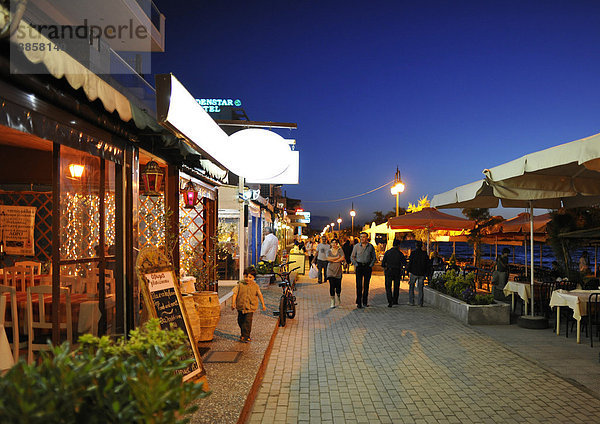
column 456, row 284
column 104, row 381
column 461, row 287
column 483, row 299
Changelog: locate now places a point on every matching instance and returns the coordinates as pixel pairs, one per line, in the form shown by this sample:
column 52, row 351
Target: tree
column 421, row 204
column 378, row 217
column 482, row 219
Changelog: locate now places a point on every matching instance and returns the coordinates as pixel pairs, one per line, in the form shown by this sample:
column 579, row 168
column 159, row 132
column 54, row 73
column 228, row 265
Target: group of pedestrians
column 332, row 259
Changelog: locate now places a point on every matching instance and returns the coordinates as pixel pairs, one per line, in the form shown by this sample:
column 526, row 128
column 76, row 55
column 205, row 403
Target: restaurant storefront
column 75, row 208
column 61, row 189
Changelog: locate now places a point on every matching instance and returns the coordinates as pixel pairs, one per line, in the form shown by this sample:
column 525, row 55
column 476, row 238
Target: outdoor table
column 577, row 300
column 523, row 289
column 85, row 310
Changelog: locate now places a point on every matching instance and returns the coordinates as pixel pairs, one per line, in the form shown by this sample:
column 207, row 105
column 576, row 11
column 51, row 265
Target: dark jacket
column 418, row 263
column 393, row 260
column 347, row 248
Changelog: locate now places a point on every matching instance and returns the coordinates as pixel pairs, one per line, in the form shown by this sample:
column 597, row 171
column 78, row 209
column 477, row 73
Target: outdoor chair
column 566, row 285
column 89, row 285
column 543, row 298
column 35, row 266
column 38, row 326
column 73, row 282
column 12, row 323
column 591, row 284
column 593, row 316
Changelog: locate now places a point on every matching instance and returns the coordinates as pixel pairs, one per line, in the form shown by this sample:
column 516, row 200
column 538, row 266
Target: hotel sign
column 214, row 105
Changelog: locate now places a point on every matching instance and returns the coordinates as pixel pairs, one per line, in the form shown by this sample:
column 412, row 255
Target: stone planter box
column 495, row 314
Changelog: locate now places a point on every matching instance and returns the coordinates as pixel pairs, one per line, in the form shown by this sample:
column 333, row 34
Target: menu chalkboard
column 163, row 301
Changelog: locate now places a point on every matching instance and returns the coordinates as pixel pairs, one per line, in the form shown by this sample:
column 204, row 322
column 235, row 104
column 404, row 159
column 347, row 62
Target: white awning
column 60, row 64
column 258, row 155
column 564, row 171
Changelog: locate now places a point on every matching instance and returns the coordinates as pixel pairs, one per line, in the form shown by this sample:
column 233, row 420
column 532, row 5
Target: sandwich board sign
column 163, row 300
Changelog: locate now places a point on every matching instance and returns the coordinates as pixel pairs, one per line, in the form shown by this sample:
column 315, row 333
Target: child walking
column 246, row 295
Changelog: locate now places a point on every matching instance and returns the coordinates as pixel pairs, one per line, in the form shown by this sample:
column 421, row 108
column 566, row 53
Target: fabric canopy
column 565, row 175
column 554, row 174
column 478, row 194
column 519, row 224
column 431, row 219
column 481, row 194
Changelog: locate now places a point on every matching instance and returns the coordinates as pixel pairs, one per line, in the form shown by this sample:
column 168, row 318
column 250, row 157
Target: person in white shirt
column 270, row 245
column 321, row 259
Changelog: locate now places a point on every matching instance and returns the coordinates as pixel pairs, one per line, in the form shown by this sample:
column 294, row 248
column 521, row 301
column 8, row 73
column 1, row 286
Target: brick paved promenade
column 403, row 364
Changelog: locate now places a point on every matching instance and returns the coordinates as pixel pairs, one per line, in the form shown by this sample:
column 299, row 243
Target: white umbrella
column 565, row 175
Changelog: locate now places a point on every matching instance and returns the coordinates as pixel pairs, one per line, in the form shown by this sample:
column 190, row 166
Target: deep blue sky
column 441, row 89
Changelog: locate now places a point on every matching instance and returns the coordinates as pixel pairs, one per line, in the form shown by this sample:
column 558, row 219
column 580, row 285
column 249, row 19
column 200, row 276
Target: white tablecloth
column 574, row 299
column 523, row 289
column 89, row 315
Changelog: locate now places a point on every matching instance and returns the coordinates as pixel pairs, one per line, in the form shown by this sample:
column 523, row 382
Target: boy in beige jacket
column 246, row 295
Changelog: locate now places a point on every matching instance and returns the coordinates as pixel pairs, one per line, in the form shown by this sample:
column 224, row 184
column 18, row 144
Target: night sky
column 441, row 89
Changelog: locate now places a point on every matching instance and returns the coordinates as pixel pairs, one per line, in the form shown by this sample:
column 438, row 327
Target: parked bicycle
column 287, row 302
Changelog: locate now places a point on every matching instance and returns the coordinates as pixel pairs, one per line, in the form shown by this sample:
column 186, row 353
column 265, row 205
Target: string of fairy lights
column 81, row 230
column 80, row 223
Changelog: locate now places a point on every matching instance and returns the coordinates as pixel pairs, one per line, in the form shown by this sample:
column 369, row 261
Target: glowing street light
column 332, row 225
column 339, row 221
column 396, row 189
column 352, row 215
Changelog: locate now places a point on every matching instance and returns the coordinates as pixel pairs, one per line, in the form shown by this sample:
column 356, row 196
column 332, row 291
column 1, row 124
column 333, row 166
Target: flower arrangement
column 460, row 287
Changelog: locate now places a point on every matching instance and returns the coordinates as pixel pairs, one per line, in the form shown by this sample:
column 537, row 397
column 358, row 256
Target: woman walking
column 309, row 249
column 335, row 257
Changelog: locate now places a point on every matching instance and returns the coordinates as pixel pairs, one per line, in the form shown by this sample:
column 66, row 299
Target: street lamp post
column 339, row 221
column 332, row 225
column 352, row 214
column 396, row 189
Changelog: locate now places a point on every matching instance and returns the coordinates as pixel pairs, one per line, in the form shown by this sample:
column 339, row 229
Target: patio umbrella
column 521, row 222
column 564, row 171
column 430, row 219
column 568, row 174
column 516, row 229
column 565, row 175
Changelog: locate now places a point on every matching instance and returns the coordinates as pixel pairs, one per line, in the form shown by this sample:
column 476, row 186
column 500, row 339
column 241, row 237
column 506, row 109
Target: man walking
column 418, row 268
column 321, row 255
column 393, row 263
column 269, row 247
column 363, row 258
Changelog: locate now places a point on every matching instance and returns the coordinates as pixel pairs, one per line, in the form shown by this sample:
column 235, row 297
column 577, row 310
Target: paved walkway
column 403, row 364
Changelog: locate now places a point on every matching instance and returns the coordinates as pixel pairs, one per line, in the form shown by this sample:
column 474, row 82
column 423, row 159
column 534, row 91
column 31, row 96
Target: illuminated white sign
column 214, row 105
column 257, row 155
column 306, row 219
column 249, row 195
